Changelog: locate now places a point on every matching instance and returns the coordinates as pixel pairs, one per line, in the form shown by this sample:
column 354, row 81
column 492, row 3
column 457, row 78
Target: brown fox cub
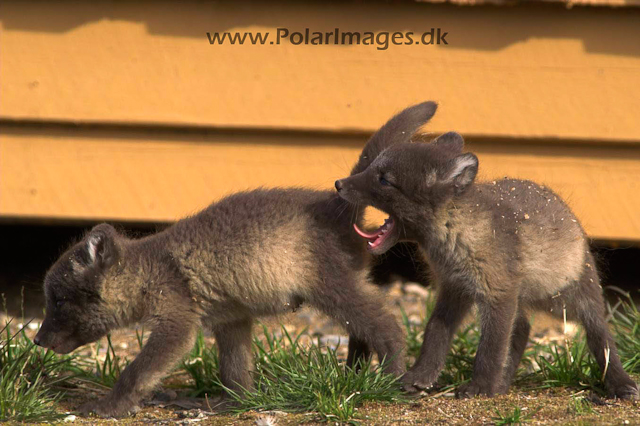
column 251, row 254
column 509, row 246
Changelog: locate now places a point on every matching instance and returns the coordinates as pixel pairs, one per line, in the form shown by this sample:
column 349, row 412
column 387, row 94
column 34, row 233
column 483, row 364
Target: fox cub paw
column 414, row 381
column 107, row 408
column 627, row 391
column 471, row 389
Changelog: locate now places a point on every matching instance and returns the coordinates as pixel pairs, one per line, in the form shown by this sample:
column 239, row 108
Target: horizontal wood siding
column 89, row 174
column 124, row 111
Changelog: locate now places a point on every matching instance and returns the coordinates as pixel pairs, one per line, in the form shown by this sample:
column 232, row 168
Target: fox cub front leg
column 497, row 319
column 451, row 307
column 167, row 344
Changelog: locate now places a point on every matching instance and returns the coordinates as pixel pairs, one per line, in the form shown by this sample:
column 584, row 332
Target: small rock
column 416, row 320
column 415, row 289
column 266, row 421
column 70, row 418
column 333, row 340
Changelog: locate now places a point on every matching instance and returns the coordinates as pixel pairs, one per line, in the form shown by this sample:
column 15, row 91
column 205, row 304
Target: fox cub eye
column 59, row 303
column 384, row 182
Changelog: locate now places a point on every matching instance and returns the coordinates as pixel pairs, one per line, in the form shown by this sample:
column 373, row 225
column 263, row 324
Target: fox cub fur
column 509, row 246
column 256, row 253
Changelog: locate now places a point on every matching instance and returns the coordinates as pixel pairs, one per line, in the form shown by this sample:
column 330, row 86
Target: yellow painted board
column 531, row 70
column 163, row 176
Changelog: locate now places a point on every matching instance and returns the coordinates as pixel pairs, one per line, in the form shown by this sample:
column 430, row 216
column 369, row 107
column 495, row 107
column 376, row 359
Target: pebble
column 415, row 289
column 194, row 415
column 416, row 320
column 266, row 421
column 333, row 340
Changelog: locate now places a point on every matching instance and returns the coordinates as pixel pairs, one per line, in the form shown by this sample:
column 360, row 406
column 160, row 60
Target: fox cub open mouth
column 378, row 236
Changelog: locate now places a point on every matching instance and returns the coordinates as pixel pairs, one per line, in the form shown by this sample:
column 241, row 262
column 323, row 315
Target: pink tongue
column 365, row 234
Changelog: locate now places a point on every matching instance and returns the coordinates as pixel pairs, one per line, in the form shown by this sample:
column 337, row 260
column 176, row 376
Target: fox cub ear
column 452, row 141
column 462, row 172
column 100, row 247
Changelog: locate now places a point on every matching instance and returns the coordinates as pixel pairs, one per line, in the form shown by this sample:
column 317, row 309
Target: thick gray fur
column 508, row 246
column 257, row 253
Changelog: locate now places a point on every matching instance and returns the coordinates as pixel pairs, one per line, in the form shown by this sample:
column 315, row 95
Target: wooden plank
column 162, row 176
column 530, row 70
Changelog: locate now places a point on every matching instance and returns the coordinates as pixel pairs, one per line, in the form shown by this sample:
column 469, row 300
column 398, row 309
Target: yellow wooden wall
column 124, row 111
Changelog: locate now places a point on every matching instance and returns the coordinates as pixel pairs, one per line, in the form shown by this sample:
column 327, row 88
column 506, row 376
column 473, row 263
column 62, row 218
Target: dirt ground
column 548, row 407
column 538, row 407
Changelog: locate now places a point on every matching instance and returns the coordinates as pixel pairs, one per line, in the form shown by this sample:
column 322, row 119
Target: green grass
column 293, row 377
column 571, row 365
column 202, row 366
column 297, row 377
column 459, row 364
column 553, row 364
column 108, row 371
column 32, row 379
column 308, row 378
column 414, row 334
column 625, row 319
column 562, row 366
column 580, row 406
column 517, row 416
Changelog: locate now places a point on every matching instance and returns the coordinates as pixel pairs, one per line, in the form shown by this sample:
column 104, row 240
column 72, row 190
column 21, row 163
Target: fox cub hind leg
column 519, row 339
column 236, row 358
column 369, row 324
column 586, row 302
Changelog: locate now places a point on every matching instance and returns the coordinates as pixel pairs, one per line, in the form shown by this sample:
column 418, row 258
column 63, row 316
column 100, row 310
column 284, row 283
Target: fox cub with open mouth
column 255, row 253
column 509, row 246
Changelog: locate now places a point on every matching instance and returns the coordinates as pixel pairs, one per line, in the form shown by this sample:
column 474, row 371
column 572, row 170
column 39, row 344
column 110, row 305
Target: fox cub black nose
column 36, row 340
column 339, row 185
